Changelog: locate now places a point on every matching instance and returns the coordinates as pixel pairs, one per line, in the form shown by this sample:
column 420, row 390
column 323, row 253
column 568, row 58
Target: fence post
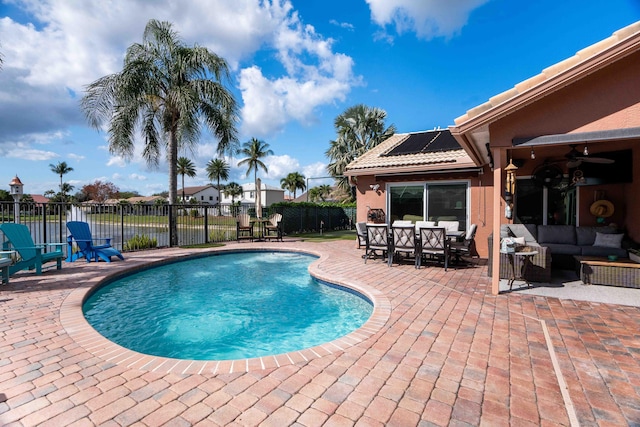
column 206, row 224
column 121, row 223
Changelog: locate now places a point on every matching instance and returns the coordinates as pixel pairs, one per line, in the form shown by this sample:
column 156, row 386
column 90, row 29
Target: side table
column 526, row 262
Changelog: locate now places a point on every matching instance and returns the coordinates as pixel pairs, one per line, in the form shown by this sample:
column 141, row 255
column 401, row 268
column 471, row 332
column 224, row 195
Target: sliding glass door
column 430, row 201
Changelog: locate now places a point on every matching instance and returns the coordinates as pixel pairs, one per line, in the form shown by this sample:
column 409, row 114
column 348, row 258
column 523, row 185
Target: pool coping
column 78, row 328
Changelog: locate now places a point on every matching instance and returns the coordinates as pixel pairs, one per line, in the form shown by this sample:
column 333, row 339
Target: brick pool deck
column 439, row 350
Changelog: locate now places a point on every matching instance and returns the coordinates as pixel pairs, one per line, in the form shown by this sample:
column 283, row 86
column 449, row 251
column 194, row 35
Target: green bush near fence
column 139, row 242
column 307, row 216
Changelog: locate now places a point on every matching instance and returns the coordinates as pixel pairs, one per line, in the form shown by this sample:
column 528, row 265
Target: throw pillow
column 608, row 240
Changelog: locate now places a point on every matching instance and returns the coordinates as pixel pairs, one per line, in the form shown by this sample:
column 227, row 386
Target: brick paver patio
column 439, row 350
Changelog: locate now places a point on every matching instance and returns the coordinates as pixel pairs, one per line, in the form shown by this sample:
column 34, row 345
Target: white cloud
column 117, row 161
column 317, row 170
column 75, row 156
column 137, row 177
column 427, row 18
column 281, row 166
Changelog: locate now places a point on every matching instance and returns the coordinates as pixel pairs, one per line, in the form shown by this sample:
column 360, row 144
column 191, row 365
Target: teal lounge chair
column 31, row 256
column 5, row 262
column 81, row 235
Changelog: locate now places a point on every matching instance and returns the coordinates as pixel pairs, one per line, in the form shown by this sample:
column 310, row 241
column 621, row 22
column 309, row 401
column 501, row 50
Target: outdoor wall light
column 374, row 187
column 585, row 151
column 533, row 154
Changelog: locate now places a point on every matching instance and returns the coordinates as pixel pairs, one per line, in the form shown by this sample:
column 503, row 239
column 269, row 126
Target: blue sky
column 295, row 66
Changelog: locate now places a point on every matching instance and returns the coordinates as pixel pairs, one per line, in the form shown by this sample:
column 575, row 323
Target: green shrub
column 194, row 213
column 140, row 241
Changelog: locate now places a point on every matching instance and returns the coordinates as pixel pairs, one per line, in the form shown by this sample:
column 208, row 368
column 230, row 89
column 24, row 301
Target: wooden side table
column 526, row 263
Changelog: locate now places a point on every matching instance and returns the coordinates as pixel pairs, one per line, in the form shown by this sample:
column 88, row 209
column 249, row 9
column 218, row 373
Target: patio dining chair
column 434, row 243
column 361, row 232
column 403, row 242
column 467, row 247
column 377, row 240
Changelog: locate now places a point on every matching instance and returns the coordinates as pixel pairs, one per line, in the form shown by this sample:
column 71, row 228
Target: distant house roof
column 412, row 152
column 132, row 200
column 37, row 198
column 190, row 191
column 251, row 186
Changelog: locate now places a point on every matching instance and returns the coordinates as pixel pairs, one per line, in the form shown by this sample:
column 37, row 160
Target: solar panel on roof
column 426, row 142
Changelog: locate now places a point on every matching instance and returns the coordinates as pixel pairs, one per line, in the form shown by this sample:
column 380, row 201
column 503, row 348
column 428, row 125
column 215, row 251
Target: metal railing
column 130, row 224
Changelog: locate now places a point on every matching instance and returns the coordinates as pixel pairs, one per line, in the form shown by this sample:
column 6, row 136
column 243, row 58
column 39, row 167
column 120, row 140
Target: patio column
column 499, row 161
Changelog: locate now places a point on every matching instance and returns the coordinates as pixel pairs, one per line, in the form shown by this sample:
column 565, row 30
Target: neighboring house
column 39, row 199
column 589, row 103
column 269, row 195
column 204, row 194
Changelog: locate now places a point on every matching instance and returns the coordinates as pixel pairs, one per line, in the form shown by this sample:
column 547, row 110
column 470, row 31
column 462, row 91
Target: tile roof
column 553, row 71
column 378, row 158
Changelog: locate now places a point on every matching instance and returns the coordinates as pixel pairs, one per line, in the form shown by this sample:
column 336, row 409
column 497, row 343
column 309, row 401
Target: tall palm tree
column 358, row 129
column 217, row 169
column 166, row 89
column 255, row 150
column 184, row 167
column 292, row 182
column 61, row 169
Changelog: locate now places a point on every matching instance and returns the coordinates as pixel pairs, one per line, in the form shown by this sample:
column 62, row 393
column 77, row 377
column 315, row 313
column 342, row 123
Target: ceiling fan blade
column 574, row 163
column 599, row 160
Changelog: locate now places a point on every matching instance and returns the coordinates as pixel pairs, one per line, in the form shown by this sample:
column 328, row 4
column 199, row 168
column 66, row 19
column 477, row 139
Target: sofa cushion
column 528, row 231
column 585, row 236
column 608, row 240
column 603, row 251
column 563, row 249
column 563, row 234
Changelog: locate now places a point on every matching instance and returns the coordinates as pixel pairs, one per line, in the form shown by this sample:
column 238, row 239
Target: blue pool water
column 227, row 306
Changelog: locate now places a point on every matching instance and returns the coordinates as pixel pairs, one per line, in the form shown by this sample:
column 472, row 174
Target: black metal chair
column 377, row 240
column 404, row 242
column 361, row 231
column 467, row 247
column 434, row 243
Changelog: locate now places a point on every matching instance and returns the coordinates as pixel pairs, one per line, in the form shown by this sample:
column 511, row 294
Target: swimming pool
column 225, row 306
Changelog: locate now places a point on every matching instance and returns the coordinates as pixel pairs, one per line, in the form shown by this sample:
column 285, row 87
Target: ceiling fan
column 575, row 158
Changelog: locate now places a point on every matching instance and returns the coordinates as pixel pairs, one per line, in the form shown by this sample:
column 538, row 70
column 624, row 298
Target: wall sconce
column 533, row 154
column 585, row 151
column 375, row 187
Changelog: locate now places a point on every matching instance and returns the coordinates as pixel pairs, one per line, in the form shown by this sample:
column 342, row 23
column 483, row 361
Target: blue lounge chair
column 81, row 235
column 31, row 256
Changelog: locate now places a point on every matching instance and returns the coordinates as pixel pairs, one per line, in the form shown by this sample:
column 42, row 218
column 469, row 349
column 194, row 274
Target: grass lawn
column 327, row 235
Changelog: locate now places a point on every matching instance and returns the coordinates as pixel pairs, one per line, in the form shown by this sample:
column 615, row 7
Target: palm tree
column 61, row 169
column 166, row 89
column 324, row 191
column 185, row 167
column 233, row 189
column 293, row 182
column 217, row 169
column 255, row 150
column 359, row 129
